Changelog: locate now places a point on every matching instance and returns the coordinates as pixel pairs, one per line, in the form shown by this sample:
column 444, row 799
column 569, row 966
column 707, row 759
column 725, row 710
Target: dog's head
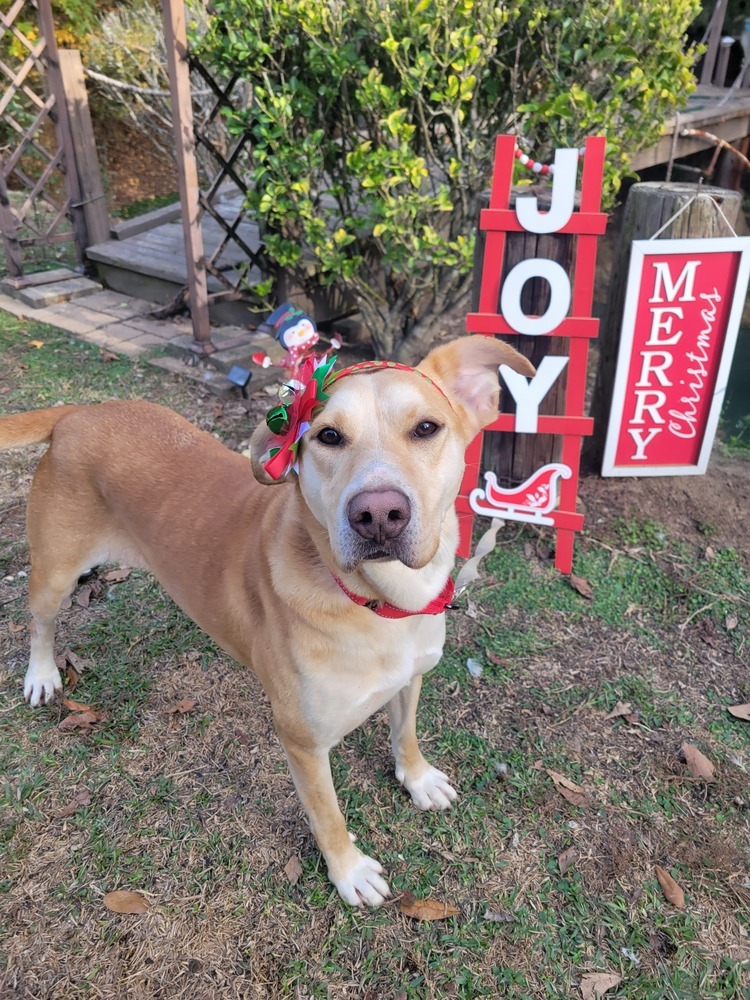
column 380, row 465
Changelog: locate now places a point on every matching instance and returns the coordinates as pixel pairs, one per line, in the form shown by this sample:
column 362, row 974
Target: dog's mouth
column 361, row 551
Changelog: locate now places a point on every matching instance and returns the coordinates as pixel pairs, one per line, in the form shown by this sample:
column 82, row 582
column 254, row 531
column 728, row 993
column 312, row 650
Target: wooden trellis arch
column 36, row 161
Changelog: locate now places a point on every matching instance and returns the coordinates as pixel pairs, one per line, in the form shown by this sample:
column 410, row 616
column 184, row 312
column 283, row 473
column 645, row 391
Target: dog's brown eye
column 426, row 428
column 329, row 436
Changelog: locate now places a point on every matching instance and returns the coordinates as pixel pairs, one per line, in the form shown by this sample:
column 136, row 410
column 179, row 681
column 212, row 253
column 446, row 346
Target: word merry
column 656, row 360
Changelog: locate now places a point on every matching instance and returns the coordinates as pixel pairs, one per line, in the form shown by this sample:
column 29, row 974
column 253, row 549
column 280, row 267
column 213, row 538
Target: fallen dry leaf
column 698, row 764
column 83, row 597
column 79, row 801
column 582, row 586
column 500, row 916
column 107, row 355
column 183, row 707
column 740, row 711
column 568, row 789
column 494, row 658
column 75, row 661
column 36, row 343
column 621, row 708
column 567, row 859
column 117, row 575
column 731, row 622
column 13, row 627
column 71, row 667
column 81, row 720
column 125, row 901
column 77, row 706
column 596, row 984
column 426, row 909
column 672, row 892
column 293, row 869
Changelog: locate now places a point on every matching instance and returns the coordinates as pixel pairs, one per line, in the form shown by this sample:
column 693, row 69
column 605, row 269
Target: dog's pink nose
column 379, row 515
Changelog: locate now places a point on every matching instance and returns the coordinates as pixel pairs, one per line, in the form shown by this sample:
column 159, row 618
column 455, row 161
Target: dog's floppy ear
column 467, row 371
column 261, row 443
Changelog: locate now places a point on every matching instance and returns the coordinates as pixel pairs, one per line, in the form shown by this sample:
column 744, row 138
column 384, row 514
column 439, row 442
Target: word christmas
column 549, row 495
column 682, row 313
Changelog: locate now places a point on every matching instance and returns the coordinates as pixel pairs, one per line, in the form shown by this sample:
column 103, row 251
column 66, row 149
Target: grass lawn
column 194, row 810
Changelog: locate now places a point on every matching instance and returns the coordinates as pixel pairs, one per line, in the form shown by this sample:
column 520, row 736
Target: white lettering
column 559, row 303
column 663, row 281
column 563, row 197
column 659, row 324
column 649, row 367
column 641, row 406
column 528, row 393
column 683, row 422
column 641, row 442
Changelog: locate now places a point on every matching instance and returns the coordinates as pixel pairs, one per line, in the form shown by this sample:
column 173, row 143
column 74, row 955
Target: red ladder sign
column 537, row 499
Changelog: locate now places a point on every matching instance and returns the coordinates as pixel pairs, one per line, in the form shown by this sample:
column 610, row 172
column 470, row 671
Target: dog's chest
column 363, row 676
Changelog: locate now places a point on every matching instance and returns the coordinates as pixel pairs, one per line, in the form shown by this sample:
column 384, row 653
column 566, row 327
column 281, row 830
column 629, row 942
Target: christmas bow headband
column 290, row 419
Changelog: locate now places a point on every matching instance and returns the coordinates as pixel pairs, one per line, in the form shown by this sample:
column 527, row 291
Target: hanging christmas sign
column 549, row 495
column 683, row 308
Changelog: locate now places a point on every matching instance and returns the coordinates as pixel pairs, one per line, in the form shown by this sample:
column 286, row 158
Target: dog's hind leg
column 63, row 548
column 47, row 590
column 428, row 787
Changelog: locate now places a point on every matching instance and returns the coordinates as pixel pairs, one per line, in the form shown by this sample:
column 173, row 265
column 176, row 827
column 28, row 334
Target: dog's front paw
column 41, row 685
column 431, row 789
column 361, row 883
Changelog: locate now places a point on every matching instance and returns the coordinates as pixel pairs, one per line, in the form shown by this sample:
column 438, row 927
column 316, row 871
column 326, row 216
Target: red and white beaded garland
column 534, row 165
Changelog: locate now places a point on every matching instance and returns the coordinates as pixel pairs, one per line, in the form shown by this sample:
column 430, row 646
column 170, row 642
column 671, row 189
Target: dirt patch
column 699, row 510
column 133, row 168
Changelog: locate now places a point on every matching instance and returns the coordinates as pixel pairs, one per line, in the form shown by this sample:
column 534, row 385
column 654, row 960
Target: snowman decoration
column 297, row 334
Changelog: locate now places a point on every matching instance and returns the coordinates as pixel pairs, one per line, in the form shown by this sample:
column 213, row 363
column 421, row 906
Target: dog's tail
column 34, row 427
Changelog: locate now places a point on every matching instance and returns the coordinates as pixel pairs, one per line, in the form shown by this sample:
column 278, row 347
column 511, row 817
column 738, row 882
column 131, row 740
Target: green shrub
column 373, row 122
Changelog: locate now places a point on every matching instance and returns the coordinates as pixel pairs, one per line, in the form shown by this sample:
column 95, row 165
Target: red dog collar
column 385, row 610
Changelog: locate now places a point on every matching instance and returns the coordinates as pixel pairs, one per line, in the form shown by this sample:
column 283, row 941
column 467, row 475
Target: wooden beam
column 715, row 31
column 64, row 136
column 175, row 37
column 8, row 229
column 82, row 132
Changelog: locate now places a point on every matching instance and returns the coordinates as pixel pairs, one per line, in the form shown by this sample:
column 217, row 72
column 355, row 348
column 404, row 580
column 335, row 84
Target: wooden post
column 515, row 457
column 93, row 199
column 9, row 229
column 175, row 37
column 716, row 30
column 648, row 207
column 64, row 135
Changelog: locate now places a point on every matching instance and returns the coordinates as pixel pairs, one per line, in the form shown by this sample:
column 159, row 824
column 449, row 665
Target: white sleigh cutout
column 531, row 501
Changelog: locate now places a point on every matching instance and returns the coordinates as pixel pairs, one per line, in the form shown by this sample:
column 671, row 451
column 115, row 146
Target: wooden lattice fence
column 40, row 196
column 223, row 196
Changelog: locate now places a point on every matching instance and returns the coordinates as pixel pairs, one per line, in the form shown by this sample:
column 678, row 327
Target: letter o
column 559, row 303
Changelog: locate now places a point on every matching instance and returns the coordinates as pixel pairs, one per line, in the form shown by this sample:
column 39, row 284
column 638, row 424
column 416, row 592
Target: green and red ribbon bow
column 289, row 420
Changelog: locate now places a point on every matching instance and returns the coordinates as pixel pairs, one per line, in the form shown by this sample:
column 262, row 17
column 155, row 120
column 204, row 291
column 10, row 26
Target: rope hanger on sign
column 698, row 196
